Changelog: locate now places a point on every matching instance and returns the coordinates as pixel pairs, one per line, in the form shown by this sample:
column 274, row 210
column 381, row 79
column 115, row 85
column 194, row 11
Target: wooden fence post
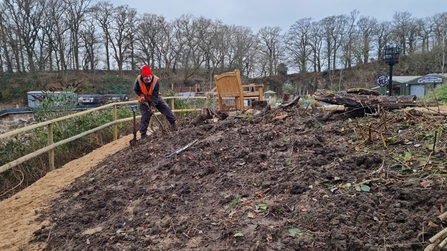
column 115, row 126
column 50, row 152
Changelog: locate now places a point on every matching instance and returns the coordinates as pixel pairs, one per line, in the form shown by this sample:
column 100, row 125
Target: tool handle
column 148, row 106
column 134, row 108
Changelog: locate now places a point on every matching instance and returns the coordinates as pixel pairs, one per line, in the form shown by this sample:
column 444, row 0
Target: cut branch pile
column 364, row 98
column 439, row 240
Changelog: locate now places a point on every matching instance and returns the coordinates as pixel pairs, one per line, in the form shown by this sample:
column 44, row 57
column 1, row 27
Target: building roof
column 444, row 75
column 405, row 79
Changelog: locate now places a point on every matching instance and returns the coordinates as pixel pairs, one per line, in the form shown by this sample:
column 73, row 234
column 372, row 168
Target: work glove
column 142, row 99
column 152, row 108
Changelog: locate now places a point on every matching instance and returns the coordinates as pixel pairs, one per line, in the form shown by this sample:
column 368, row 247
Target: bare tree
column 242, row 39
column 125, row 24
column 414, row 36
column 190, row 55
column 58, row 27
column 104, row 16
column 91, row 43
column 298, row 43
column 167, row 45
column 439, row 28
column 337, row 36
column 43, row 50
column 6, row 54
column 76, row 11
column 406, row 31
column 426, row 29
column 248, row 51
column 316, row 42
column 382, row 37
column 47, row 34
column 349, row 38
column 147, row 44
column 27, row 18
column 367, row 27
column 328, row 25
column 271, row 47
column 204, row 38
column 220, row 45
column 12, row 46
column 440, row 37
column 333, row 29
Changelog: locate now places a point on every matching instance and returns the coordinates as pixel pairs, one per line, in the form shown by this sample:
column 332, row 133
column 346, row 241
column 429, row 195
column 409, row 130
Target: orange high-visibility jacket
column 147, row 91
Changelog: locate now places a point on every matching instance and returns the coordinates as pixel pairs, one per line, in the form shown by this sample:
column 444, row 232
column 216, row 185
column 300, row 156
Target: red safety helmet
column 146, row 70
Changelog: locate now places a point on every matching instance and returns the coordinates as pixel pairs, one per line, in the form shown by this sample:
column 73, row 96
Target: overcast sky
column 282, row 13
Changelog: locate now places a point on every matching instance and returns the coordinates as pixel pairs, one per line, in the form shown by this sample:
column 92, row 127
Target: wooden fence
column 51, row 123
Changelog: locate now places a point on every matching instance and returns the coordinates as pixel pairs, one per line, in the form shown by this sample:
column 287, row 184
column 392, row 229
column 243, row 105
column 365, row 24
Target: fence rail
column 51, row 123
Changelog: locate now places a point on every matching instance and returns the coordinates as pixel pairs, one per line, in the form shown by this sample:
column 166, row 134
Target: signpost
column 382, row 80
column 391, row 57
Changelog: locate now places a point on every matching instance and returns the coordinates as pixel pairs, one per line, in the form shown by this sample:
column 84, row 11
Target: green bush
column 440, row 93
column 288, row 88
column 115, row 85
column 30, row 141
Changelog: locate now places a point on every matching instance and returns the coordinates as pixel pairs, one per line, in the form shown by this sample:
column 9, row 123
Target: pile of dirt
column 279, row 180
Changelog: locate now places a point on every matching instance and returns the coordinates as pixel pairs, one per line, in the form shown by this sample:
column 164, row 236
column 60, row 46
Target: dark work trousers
column 146, row 114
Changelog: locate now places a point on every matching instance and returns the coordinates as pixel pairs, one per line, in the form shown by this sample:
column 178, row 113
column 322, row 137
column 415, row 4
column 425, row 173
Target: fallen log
column 291, row 103
column 370, row 101
column 207, row 113
column 363, row 91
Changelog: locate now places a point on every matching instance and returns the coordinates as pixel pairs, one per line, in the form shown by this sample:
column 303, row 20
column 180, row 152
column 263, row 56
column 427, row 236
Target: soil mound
column 279, row 180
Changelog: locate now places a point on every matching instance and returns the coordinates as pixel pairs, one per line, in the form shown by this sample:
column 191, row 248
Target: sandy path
column 18, row 213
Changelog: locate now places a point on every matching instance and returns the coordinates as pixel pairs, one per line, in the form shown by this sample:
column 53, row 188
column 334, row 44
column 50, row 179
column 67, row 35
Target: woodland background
column 97, row 47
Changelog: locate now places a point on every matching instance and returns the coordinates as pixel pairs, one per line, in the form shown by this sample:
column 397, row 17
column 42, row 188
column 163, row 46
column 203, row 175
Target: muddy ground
column 284, row 179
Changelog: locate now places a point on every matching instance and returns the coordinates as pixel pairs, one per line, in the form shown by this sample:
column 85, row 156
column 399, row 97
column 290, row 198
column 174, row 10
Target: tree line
column 59, row 35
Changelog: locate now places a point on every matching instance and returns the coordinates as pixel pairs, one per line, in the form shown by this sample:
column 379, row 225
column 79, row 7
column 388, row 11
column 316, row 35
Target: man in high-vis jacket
column 147, row 88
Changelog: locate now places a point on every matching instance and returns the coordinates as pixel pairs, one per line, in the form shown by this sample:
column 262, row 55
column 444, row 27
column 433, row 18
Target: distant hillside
column 13, row 87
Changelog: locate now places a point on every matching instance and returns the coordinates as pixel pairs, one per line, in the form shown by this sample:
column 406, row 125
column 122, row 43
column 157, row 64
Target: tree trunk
column 365, row 98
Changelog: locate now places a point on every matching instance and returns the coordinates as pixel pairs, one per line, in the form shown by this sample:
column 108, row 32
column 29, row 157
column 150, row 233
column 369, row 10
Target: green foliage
column 275, row 83
column 28, row 142
column 288, row 88
column 14, row 93
column 362, row 188
column 13, row 148
column 188, row 103
column 440, row 93
column 262, row 206
column 52, row 105
column 235, row 201
column 115, row 85
column 238, row 234
column 293, row 231
column 265, row 184
column 282, row 69
column 178, row 103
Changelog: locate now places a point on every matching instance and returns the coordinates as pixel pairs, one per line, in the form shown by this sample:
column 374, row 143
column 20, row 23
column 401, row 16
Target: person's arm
column 155, row 94
column 136, row 88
